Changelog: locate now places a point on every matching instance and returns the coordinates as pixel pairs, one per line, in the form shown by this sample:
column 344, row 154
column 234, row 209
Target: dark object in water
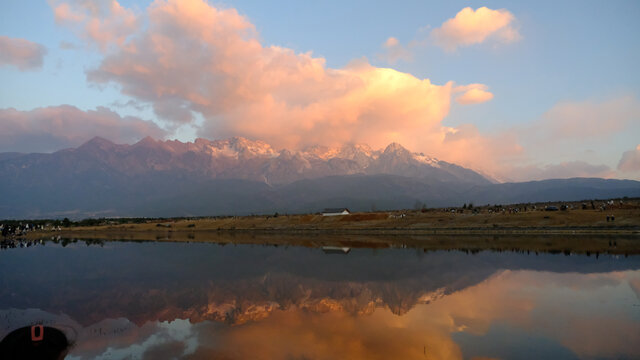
column 35, row 342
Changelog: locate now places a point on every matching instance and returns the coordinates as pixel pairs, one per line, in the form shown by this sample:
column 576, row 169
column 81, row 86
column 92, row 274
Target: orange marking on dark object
column 40, row 335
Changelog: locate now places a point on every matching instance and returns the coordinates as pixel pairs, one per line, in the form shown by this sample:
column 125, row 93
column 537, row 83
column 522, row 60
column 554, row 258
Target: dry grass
column 626, row 221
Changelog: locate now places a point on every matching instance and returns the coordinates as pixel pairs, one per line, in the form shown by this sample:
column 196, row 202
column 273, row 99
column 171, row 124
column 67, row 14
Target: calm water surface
column 121, row 300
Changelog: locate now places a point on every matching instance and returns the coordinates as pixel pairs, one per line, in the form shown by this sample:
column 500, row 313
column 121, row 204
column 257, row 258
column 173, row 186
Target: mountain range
column 238, row 176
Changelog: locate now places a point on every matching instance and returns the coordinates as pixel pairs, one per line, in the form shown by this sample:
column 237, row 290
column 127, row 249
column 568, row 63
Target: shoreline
column 373, row 231
column 578, row 243
column 584, row 231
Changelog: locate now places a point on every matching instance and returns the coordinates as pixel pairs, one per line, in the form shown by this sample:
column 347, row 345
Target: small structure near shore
column 335, row 212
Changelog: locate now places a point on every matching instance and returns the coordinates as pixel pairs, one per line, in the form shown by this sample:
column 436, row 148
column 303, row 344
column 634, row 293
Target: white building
column 335, row 212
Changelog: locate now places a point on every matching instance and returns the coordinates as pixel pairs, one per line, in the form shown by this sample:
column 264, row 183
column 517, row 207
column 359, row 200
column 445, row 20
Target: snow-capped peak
column 237, row 147
column 426, row 159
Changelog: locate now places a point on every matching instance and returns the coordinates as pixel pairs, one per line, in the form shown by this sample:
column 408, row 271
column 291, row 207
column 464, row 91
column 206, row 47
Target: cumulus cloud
column 470, row 27
column 242, row 87
column 54, row 128
column 199, row 65
column 393, row 51
column 102, row 22
column 473, row 94
column 21, row 53
column 630, row 161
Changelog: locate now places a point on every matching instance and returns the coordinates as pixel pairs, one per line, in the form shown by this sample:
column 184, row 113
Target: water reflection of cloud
column 153, row 340
column 593, row 317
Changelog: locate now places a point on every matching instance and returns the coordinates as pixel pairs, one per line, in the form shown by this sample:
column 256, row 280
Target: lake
column 157, row 300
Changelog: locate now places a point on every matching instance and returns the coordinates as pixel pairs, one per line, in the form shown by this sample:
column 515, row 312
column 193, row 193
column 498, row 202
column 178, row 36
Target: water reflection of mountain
column 165, row 281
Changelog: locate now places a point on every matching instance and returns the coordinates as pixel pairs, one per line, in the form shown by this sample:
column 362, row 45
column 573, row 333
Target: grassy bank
column 583, row 231
column 436, row 221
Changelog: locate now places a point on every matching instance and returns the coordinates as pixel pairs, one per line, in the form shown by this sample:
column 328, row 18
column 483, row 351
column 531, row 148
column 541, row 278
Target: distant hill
column 239, row 176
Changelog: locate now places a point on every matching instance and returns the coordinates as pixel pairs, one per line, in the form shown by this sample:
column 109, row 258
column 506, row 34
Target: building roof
column 335, row 210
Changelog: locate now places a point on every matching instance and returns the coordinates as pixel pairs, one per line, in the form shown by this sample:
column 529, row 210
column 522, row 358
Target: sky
column 516, row 90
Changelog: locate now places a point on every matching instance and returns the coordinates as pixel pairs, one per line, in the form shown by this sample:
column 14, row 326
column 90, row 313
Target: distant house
column 335, row 212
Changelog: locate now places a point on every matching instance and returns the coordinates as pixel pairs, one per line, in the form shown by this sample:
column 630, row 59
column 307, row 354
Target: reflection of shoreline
column 233, row 284
column 504, row 312
column 579, row 244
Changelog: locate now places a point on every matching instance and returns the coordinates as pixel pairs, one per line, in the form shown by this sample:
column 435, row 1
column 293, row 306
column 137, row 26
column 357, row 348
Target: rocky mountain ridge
column 240, row 158
column 241, row 177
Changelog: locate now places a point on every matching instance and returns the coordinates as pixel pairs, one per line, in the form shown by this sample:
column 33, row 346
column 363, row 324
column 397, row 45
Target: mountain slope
column 239, row 176
column 552, row 190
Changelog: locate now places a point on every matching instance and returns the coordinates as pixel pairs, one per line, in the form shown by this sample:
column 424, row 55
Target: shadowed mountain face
column 239, row 176
column 238, row 158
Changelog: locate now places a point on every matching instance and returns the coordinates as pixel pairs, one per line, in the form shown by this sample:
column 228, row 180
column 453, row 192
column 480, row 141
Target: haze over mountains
column 240, row 176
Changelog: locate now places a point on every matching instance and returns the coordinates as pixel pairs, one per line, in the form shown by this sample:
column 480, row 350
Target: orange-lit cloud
column 102, row 22
column 493, row 155
column 470, row 27
column 271, row 93
column 58, row 127
column 556, row 307
column 21, row 53
column 630, row 161
column 587, row 314
column 336, row 335
column 473, row 94
column 231, row 84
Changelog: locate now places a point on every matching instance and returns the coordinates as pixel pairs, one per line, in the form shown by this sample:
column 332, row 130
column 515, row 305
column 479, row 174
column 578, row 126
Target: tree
column 66, row 222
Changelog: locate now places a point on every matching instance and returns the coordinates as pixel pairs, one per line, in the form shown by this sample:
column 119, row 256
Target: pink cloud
column 193, row 60
column 101, row 22
column 630, row 161
column 470, row 27
column 54, row 128
column 244, row 88
column 493, row 154
column 21, row 53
